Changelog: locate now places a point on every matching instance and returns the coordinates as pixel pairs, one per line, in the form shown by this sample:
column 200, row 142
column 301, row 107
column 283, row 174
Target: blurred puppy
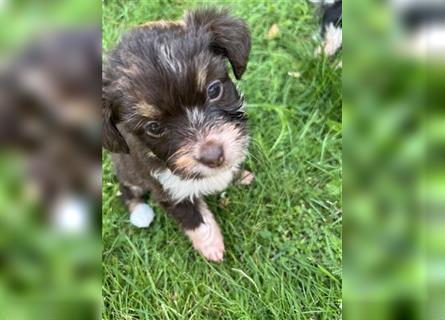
column 175, row 121
column 422, row 26
column 331, row 25
column 50, row 112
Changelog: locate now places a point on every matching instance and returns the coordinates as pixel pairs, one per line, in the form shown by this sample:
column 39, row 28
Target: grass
column 283, row 233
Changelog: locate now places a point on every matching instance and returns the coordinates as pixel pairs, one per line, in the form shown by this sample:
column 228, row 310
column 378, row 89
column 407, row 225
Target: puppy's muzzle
column 211, row 154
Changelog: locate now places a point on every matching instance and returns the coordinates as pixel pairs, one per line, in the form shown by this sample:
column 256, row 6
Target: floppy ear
column 111, row 137
column 229, row 36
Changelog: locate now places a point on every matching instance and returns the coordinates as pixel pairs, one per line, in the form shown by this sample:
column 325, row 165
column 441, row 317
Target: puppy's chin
column 199, row 171
column 207, row 172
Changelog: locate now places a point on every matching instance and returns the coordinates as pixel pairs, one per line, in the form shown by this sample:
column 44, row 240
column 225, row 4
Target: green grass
column 283, row 233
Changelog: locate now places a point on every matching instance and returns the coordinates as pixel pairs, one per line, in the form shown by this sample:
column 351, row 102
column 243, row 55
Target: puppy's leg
column 200, row 226
column 333, row 40
column 141, row 214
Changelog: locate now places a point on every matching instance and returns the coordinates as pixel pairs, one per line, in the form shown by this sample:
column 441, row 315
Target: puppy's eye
column 214, row 90
column 154, row 129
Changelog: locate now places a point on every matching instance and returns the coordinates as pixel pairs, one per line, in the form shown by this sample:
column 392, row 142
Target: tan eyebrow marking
column 146, row 110
column 201, row 77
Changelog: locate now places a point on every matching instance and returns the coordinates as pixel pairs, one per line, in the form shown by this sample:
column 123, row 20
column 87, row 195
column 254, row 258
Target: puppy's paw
column 142, row 215
column 213, row 252
column 246, row 178
column 208, row 240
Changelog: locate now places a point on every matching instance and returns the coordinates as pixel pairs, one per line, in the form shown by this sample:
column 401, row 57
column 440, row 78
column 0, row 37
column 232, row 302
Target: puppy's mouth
column 213, row 153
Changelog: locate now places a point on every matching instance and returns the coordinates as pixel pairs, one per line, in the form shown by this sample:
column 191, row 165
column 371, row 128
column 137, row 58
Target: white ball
column 142, row 215
column 71, row 215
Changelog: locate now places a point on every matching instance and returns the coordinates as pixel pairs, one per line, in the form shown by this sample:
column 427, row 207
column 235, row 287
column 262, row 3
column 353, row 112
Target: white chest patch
column 180, row 189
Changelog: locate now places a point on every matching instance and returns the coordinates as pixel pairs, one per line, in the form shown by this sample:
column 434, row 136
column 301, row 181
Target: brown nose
column 211, row 154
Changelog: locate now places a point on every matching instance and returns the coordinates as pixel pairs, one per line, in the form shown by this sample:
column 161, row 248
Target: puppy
column 174, row 120
column 331, row 25
column 50, row 113
column 422, row 28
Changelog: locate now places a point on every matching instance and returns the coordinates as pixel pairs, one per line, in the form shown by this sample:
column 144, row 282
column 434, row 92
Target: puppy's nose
column 211, row 154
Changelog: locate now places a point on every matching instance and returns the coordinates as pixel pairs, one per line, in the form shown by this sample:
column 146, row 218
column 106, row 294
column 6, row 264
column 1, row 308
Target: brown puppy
column 175, row 121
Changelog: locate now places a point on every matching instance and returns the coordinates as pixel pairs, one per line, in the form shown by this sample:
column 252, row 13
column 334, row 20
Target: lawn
column 282, row 233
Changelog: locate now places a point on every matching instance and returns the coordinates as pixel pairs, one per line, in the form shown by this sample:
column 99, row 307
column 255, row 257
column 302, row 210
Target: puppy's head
column 168, row 85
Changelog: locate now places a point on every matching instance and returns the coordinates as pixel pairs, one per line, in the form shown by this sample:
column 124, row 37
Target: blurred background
column 50, row 167
column 394, row 155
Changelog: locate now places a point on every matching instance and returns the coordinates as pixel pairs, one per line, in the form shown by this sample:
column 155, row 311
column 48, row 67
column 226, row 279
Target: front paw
column 213, row 251
column 208, row 240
